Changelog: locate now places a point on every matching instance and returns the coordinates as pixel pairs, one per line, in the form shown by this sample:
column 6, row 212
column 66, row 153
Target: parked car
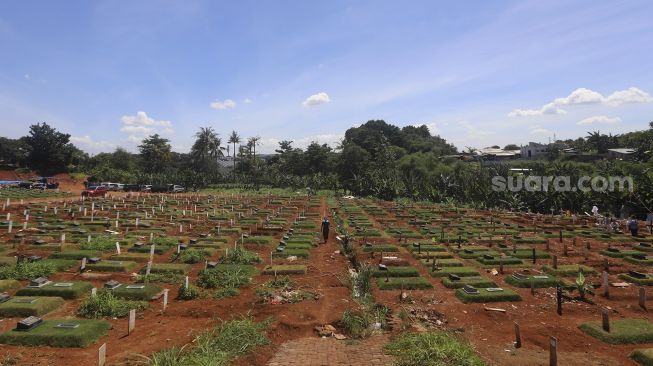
column 177, row 189
column 95, row 191
column 41, row 186
column 132, row 188
column 160, row 188
column 146, row 188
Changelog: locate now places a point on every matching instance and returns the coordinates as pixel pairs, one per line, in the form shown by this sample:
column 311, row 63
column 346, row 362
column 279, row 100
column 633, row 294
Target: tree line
column 376, row 159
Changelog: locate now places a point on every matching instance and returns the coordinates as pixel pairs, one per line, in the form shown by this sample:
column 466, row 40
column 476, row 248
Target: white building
column 533, row 150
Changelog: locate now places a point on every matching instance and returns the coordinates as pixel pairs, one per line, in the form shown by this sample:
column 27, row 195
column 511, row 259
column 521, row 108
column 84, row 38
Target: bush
column 105, row 304
column 227, row 278
column 102, row 243
column 162, row 277
column 643, row 356
column 88, row 332
column 188, row 293
column 165, row 241
column 432, row 349
column 192, row 256
column 6, row 285
column 240, row 255
column 27, row 271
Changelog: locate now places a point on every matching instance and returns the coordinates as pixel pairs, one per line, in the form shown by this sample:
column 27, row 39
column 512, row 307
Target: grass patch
column 396, row 271
column 643, row 356
column 447, row 262
column 485, row 296
column 131, row 257
column 648, row 281
column 162, row 277
column 432, row 349
column 111, row 266
column 569, row 270
column 232, row 277
column 27, row 271
column 24, row 306
column 285, row 269
column 300, row 253
column 146, row 293
column 240, row 255
column 538, row 281
column 75, row 254
column 6, row 285
column 46, row 334
column 106, row 304
column 216, row 347
column 163, row 268
column 458, row 271
column 73, row 292
column 479, row 282
column 624, row 331
column 380, row 248
column 407, row 283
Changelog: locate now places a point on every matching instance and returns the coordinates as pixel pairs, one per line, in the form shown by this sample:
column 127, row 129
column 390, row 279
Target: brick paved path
column 330, row 351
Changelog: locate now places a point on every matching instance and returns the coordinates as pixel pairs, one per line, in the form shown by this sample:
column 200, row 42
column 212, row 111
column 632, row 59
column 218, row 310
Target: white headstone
column 102, row 355
column 132, row 321
column 118, row 248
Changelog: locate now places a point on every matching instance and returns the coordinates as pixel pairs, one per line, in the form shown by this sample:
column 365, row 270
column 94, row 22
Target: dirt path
column 322, row 352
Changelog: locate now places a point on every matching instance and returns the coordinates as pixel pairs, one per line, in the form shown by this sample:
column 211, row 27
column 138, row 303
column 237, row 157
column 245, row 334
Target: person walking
column 325, row 229
column 633, row 226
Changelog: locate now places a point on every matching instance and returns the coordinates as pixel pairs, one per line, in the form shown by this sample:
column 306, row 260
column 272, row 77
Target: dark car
column 132, row 187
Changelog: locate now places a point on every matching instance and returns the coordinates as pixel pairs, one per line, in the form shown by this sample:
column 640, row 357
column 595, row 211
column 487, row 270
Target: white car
column 178, row 189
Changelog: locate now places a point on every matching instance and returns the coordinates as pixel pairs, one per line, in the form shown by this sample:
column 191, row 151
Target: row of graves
column 142, row 249
column 494, row 258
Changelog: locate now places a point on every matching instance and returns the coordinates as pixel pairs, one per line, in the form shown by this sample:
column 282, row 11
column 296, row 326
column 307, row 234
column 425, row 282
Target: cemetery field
column 185, row 264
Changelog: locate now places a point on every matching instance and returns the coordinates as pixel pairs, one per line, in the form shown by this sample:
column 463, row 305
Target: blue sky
column 478, row 73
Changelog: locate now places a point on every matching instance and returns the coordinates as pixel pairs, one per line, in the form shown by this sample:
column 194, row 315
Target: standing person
column 325, row 229
column 633, row 225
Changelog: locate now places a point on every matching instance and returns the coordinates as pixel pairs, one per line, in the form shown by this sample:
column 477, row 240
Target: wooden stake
column 605, row 315
column 517, row 336
column 553, row 351
column 642, row 298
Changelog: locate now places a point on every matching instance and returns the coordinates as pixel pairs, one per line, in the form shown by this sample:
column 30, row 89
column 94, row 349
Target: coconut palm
column 234, row 138
column 206, row 148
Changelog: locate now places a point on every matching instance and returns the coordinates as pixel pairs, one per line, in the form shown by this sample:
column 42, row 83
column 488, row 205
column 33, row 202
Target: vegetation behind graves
column 434, row 348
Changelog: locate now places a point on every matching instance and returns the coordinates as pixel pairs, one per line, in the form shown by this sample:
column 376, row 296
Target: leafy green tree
column 206, row 149
column 511, row 147
column 50, row 150
column 155, row 153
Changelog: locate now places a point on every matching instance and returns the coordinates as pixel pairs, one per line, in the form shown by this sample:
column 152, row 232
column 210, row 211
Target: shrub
column 432, row 349
column 101, row 243
column 6, row 285
column 112, row 266
column 192, row 255
column 27, row 271
column 162, row 277
column 105, row 304
column 165, row 241
column 240, row 255
column 188, row 293
column 225, row 278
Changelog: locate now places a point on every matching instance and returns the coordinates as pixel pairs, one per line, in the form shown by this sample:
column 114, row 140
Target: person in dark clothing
column 633, row 226
column 325, row 229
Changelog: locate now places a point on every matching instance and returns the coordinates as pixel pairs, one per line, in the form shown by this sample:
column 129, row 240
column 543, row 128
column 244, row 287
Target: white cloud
column 141, row 125
column 628, row 96
column 87, row 144
column 225, row 104
column 599, row 120
column 582, row 96
column 317, row 99
column 247, row 101
column 27, row 76
column 540, row 131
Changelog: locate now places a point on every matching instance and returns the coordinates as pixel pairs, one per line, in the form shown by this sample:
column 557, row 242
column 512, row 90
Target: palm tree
column 206, row 148
column 251, row 143
column 234, row 138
